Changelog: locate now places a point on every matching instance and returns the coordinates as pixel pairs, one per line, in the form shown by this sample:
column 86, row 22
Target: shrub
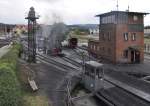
column 10, row 93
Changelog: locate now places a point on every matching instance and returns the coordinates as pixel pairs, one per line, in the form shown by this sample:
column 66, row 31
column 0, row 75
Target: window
column 136, row 27
column 135, row 18
column 122, row 18
column 109, row 36
column 100, row 49
column 100, row 73
column 103, row 36
column 94, row 47
column 125, row 36
column 91, row 46
column 103, row 49
column 108, row 19
column 109, row 51
column 97, row 48
column 133, row 36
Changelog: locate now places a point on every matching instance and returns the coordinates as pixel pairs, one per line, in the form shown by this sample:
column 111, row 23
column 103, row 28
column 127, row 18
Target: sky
column 67, row 11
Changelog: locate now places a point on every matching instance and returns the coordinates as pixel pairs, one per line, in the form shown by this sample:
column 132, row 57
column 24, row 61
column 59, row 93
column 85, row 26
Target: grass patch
column 14, row 88
column 35, row 100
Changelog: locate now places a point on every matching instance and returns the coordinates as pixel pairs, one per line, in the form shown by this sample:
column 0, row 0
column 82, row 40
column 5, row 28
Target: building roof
column 135, row 47
column 128, row 12
column 94, row 63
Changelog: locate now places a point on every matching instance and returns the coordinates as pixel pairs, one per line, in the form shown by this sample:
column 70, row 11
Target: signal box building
column 121, row 37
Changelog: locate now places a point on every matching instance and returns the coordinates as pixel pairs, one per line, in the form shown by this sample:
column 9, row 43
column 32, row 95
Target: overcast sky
column 68, row 11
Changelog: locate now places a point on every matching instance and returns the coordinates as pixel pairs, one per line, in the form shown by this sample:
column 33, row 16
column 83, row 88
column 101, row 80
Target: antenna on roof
column 128, row 9
column 117, row 6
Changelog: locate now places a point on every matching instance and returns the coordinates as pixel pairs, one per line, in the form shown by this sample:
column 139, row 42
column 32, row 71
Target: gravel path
column 4, row 50
column 51, row 82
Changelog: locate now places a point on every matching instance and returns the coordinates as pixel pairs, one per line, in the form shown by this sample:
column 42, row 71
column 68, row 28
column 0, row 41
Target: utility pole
column 83, row 61
column 69, row 102
column 31, row 35
column 82, row 54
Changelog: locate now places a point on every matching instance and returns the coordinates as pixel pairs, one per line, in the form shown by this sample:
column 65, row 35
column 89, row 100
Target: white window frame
column 133, row 36
column 125, row 35
column 135, row 17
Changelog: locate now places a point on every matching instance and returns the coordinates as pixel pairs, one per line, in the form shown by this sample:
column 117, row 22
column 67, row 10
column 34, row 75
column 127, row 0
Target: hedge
column 10, row 92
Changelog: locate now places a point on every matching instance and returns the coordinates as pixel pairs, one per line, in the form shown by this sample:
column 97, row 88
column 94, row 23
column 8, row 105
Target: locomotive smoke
column 56, row 36
column 53, row 28
column 53, row 34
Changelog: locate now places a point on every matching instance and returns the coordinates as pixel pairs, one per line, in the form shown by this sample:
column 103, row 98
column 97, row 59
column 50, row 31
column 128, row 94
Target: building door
column 135, row 56
column 132, row 56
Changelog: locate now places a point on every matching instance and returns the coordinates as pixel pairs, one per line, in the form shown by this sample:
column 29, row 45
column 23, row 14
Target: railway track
column 118, row 96
column 122, row 91
column 55, row 62
column 73, row 62
column 133, row 94
column 87, row 56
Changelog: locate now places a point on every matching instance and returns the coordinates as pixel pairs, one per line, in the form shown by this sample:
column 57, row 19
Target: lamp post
column 31, row 35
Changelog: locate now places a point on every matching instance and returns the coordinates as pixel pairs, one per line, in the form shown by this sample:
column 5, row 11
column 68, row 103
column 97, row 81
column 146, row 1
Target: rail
column 71, row 61
column 138, row 93
column 55, row 62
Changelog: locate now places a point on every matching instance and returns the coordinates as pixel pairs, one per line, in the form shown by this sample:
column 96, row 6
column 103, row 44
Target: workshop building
column 5, row 28
column 121, row 37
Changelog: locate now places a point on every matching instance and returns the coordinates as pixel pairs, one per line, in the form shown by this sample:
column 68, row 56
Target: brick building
column 121, row 37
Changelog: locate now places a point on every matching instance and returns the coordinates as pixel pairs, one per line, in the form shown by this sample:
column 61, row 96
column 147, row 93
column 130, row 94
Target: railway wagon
column 72, row 42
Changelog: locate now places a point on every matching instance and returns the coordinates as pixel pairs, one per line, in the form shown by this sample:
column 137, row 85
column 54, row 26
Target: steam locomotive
column 70, row 43
column 73, row 42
